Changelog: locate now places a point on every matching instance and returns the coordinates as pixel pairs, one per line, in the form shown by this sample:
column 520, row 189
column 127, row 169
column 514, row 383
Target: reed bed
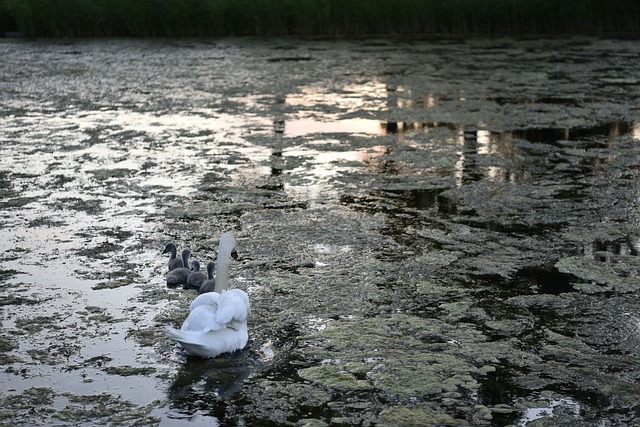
column 186, row 18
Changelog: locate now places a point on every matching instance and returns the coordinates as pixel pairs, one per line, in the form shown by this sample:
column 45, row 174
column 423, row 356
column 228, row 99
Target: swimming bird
column 217, row 324
column 209, row 285
column 173, row 261
column 179, row 276
column 196, row 277
column 217, row 321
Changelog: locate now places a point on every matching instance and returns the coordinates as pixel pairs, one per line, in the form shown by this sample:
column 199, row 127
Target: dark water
column 431, row 232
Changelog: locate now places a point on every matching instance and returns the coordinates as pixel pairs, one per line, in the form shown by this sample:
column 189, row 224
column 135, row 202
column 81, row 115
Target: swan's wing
column 210, row 298
column 233, row 306
column 203, row 318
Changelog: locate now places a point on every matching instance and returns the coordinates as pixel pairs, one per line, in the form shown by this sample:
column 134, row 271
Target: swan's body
column 216, row 324
column 178, row 276
column 209, row 285
column 174, row 262
column 217, row 321
column 196, row 277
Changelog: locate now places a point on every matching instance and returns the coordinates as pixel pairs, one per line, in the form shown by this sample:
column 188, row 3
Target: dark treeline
column 173, row 18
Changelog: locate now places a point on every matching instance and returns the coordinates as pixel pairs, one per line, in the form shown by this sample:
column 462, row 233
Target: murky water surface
column 431, row 232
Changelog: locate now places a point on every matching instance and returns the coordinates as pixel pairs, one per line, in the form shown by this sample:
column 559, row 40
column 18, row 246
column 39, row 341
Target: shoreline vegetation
column 206, row 18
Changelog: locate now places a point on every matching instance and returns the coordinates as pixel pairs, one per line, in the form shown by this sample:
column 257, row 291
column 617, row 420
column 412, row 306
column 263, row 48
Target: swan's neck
column 222, row 272
column 222, row 264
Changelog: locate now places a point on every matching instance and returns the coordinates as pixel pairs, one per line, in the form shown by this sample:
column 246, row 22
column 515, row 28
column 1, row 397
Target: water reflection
column 301, row 127
column 369, row 95
column 203, row 385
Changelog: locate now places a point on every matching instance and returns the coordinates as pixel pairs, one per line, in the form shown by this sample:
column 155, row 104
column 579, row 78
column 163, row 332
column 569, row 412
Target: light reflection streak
column 302, row 127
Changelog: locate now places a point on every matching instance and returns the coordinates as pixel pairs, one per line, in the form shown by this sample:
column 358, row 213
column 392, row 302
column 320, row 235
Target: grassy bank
column 144, row 18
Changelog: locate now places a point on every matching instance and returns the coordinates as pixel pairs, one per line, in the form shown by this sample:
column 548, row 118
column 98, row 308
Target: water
column 430, row 232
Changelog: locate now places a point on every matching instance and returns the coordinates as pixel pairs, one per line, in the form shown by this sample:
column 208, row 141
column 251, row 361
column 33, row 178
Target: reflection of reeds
column 321, row 17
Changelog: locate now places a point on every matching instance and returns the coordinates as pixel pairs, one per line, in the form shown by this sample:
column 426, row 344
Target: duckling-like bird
column 174, row 262
column 209, row 285
column 217, row 321
column 196, row 277
column 178, row 276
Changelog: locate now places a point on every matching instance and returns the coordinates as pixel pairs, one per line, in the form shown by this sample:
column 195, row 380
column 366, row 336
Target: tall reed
column 144, row 18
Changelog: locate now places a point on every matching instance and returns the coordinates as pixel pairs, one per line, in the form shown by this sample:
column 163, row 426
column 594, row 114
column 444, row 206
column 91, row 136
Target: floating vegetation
column 7, row 343
column 12, row 299
column 112, row 284
column 101, row 251
column 104, row 409
column 32, row 405
column 6, row 274
column 90, row 206
column 35, row 406
column 126, row 371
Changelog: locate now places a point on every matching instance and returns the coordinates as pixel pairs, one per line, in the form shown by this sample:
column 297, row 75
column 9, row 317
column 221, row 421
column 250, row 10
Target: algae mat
column 431, row 232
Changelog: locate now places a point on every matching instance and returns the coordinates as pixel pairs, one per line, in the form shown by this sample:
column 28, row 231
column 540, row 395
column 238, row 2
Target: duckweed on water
column 112, row 284
column 106, row 174
column 7, row 343
column 89, row 206
column 35, row 405
column 32, row 404
column 12, row 299
column 417, row 416
column 126, row 371
column 104, row 409
column 618, row 275
column 393, row 360
column 100, row 251
column 334, row 378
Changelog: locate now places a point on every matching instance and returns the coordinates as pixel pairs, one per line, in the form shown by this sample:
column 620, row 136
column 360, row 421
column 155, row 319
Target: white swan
column 217, row 321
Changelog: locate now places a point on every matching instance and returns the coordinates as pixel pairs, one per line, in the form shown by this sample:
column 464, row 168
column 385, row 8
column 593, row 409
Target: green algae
column 7, row 343
column 333, row 378
column 6, row 274
column 107, row 174
column 126, row 371
column 34, row 324
column 274, row 401
column 105, row 409
column 415, row 416
column 28, row 407
column 8, row 359
column 89, row 206
column 599, row 276
column 112, row 284
column 387, row 352
column 12, row 299
column 94, row 315
column 421, row 375
column 101, row 251
column 45, row 222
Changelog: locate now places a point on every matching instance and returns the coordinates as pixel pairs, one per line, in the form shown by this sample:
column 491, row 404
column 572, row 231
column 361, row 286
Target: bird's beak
column 234, row 255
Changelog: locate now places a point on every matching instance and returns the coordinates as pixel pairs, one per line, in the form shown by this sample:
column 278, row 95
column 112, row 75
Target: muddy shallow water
column 430, row 232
